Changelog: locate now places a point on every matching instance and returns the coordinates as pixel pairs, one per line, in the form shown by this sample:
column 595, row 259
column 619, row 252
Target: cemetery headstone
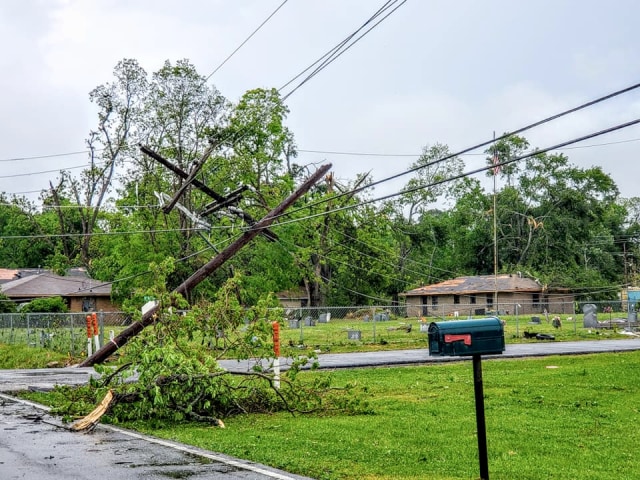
column 590, row 315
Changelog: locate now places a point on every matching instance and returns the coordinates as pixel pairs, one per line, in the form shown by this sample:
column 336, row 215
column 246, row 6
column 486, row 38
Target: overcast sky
column 442, row 71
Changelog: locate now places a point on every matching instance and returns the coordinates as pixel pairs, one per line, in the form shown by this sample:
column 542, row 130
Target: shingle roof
column 7, row 274
column 49, row 284
column 478, row 284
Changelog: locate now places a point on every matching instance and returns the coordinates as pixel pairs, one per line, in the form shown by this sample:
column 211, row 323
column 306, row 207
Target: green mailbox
column 466, row 337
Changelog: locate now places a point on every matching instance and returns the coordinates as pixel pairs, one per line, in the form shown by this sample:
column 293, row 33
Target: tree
column 119, row 108
column 431, row 182
column 179, row 379
column 508, row 148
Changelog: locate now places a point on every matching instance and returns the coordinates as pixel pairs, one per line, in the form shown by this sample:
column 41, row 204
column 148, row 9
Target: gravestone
column 354, row 334
column 294, row 323
column 590, row 315
column 324, row 317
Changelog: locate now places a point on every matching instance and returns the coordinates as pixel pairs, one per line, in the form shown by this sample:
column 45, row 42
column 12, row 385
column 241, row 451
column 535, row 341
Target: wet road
column 35, row 446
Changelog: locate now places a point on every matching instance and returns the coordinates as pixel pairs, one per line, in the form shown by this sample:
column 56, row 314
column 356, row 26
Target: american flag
column 496, row 161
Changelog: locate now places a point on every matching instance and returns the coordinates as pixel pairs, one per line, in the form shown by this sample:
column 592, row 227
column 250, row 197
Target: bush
column 6, row 304
column 46, row 305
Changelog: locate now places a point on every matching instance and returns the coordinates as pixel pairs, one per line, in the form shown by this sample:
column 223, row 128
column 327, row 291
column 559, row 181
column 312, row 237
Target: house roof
column 294, row 294
column 478, row 284
column 8, row 274
column 48, row 284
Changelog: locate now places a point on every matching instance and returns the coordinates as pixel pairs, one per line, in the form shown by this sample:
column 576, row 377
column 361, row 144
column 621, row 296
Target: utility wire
column 321, row 152
column 245, row 41
column 385, row 197
column 338, row 50
column 413, row 155
column 14, row 159
column 335, row 48
column 479, row 145
column 37, row 157
column 102, row 234
column 41, row 172
column 446, row 180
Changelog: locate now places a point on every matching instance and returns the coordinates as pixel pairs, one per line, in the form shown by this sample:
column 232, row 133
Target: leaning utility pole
column 148, row 317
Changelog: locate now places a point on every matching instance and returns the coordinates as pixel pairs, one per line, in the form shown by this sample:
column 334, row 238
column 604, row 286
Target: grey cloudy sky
column 435, row 71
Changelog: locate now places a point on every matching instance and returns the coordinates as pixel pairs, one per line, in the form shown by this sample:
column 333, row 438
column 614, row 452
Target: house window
column 456, row 299
column 535, row 300
column 434, row 302
column 472, row 299
column 425, row 309
column 489, row 300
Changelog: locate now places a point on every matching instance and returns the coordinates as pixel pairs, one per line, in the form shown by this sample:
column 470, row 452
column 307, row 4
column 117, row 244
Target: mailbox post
column 470, row 338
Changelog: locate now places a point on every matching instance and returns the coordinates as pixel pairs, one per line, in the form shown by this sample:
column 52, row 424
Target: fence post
column 101, row 327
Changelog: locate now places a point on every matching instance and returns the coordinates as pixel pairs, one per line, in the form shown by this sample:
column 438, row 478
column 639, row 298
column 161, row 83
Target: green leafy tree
column 431, row 182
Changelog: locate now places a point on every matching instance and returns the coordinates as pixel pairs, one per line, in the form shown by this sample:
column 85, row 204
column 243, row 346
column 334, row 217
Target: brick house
column 81, row 293
column 474, row 295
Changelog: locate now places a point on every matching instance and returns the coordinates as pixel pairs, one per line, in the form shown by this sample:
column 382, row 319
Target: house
column 81, row 293
column 295, row 298
column 474, row 295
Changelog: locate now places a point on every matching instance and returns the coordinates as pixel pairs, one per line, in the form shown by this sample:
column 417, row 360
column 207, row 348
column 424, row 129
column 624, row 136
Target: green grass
column 577, row 420
column 23, row 356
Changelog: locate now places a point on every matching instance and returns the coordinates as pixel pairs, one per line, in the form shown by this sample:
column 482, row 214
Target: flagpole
column 495, row 226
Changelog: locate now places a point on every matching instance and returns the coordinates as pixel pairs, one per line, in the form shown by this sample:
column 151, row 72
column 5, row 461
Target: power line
column 322, row 152
column 339, row 49
column 245, row 41
column 413, row 155
column 37, row 157
column 483, row 144
column 41, row 172
column 446, row 180
column 336, row 47
column 103, row 234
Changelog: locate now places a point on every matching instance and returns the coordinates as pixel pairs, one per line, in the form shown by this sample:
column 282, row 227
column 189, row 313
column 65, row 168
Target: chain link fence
column 444, row 311
column 67, row 332
column 61, row 332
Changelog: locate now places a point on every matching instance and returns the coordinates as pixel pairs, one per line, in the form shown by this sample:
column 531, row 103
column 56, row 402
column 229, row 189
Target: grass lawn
column 563, row 417
column 22, row 356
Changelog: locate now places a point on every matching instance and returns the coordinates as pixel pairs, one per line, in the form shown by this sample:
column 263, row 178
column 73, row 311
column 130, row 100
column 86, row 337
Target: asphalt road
column 35, row 445
column 421, row 356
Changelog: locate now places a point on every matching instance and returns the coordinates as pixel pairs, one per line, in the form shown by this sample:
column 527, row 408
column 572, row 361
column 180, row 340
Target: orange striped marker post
column 96, row 331
column 89, row 335
column 276, row 351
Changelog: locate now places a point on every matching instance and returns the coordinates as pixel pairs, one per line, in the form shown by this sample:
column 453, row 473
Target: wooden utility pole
column 110, row 347
column 220, row 201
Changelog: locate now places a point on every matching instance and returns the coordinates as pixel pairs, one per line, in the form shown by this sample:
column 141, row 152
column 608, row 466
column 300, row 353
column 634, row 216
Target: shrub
column 6, row 304
column 46, row 305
